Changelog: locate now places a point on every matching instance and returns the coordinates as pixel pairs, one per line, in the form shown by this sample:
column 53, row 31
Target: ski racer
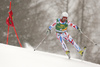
column 61, row 26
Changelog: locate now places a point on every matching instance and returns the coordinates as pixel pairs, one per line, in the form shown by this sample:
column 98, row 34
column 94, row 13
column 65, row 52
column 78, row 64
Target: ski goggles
column 65, row 17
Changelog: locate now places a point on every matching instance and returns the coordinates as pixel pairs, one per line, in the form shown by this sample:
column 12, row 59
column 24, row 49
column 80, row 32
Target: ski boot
column 68, row 54
column 81, row 52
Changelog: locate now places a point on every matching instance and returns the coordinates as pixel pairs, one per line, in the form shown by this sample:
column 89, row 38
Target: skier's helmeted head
column 64, row 16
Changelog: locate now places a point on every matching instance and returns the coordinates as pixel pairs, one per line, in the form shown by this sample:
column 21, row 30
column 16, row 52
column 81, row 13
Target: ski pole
column 88, row 38
column 41, row 42
column 47, row 33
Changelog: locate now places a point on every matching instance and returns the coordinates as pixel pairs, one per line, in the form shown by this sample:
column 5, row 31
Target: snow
column 11, row 56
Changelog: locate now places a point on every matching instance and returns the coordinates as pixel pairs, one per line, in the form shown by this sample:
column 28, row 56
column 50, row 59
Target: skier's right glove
column 48, row 31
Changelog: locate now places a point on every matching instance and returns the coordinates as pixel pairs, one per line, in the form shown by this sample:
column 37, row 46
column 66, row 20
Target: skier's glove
column 78, row 29
column 48, row 31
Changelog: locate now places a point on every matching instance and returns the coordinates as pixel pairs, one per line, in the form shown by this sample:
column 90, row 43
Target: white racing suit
column 61, row 33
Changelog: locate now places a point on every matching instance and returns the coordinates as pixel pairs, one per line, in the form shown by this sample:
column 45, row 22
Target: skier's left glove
column 48, row 31
column 78, row 29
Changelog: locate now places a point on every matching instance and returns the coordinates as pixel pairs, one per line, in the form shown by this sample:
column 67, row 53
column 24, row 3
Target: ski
column 68, row 55
column 84, row 51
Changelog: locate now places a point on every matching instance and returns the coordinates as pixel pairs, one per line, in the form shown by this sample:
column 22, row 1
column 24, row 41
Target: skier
column 61, row 26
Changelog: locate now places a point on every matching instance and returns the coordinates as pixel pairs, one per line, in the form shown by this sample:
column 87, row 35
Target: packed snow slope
column 11, row 56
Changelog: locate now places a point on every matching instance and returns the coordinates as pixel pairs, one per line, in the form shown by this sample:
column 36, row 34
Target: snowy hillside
column 11, row 56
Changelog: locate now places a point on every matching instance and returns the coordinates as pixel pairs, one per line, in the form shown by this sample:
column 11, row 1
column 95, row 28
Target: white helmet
column 64, row 14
